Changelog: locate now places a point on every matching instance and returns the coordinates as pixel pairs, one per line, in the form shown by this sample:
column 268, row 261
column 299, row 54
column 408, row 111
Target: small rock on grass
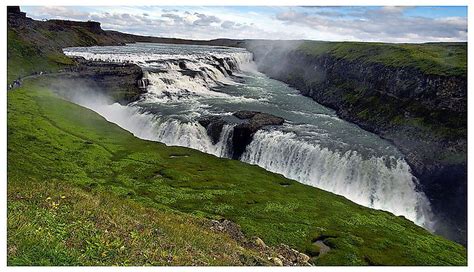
column 260, row 243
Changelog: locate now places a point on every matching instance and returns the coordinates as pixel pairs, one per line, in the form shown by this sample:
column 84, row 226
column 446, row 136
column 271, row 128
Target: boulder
column 260, row 243
column 243, row 133
column 276, row 261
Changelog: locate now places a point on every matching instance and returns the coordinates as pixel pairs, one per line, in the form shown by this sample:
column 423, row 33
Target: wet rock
column 248, row 123
column 259, row 119
column 243, row 133
column 213, row 125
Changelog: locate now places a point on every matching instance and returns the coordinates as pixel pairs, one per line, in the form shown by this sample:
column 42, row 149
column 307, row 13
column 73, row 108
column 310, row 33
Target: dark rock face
column 122, row 82
column 243, row 133
column 424, row 115
column 213, row 125
column 249, row 123
column 15, row 11
column 89, row 25
column 257, row 120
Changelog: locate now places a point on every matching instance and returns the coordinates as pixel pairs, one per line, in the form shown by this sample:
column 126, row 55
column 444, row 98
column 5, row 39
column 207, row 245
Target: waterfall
column 177, row 76
column 378, row 182
column 193, row 135
column 142, row 83
column 168, row 131
column 384, row 183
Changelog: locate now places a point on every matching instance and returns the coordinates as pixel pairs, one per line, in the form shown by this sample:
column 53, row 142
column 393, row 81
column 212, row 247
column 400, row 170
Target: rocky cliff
column 121, row 82
column 422, row 110
column 35, row 47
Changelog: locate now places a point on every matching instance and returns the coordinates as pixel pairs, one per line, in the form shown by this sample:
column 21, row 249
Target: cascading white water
column 381, row 183
column 177, row 76
column 182, row 87
column 170, row 132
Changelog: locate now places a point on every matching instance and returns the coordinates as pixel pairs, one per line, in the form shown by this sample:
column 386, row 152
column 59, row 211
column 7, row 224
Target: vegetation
column 373, row 107
column 60, row 224
column 24, row 58
column 113, row 181
column 447, row 59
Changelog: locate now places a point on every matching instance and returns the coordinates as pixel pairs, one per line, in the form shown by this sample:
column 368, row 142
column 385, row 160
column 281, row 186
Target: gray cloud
column 169, row 10
column 385, row 24
column 48, row 12
column 228, row 24
column 173, row 23
column 205, row 20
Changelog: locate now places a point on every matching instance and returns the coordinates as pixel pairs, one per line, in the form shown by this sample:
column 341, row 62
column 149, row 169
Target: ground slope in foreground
column 130, row 201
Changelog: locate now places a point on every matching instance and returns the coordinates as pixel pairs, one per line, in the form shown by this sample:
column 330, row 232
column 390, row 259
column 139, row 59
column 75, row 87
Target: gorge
column 195, row 98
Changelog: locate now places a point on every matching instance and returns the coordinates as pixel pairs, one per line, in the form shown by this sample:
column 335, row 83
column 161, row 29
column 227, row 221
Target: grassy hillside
column 74, row 178
column 448, row 59
column 24, row 58
column 54, row 223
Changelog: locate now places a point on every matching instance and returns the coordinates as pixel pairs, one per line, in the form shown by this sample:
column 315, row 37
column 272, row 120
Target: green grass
column 60, row 224
column 446, row 59
column 108, row 176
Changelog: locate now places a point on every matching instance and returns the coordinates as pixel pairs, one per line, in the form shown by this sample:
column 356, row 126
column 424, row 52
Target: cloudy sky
column 366, row 23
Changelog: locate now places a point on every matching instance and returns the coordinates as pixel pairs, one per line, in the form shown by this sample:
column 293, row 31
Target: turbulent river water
column 313, row 146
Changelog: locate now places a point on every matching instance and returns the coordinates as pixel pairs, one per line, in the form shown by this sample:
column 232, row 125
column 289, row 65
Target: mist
column 278, row 59
column 91, row 96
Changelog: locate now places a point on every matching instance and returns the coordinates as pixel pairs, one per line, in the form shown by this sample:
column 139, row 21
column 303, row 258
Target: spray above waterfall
column 186, row 83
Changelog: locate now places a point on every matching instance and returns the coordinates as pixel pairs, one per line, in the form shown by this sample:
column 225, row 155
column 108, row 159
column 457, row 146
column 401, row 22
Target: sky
column 351, row 23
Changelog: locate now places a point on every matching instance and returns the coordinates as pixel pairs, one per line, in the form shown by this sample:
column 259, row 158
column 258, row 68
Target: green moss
column 60, row 224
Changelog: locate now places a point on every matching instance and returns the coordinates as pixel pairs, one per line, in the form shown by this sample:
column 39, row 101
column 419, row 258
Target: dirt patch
column 323, row 248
